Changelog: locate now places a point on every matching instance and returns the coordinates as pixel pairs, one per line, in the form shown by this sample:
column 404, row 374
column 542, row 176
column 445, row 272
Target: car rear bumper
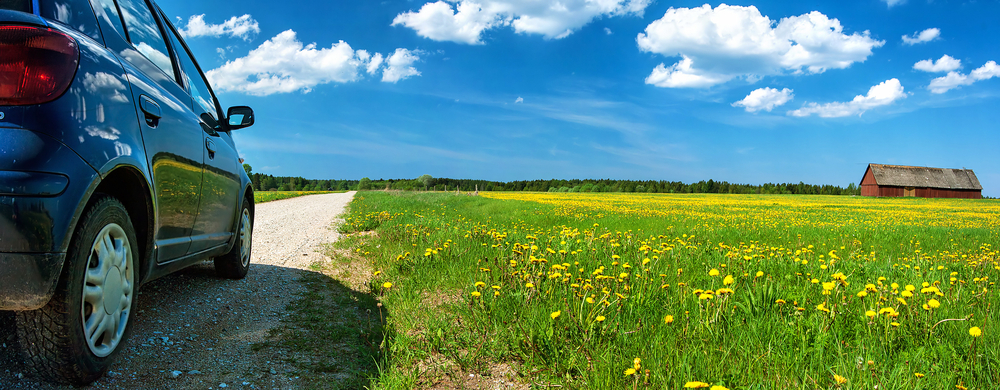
column 27, row 280
column 42, row 186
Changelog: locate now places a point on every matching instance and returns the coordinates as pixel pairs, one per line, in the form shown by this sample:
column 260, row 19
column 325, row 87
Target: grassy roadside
column 606, row 291
column 335, row 332
column 267, row 196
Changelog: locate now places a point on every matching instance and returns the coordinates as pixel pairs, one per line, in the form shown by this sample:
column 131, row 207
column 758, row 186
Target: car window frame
column 153, row 10
column 185, row 50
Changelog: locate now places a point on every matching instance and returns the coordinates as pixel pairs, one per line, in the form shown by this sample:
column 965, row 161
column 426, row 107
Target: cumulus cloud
column 283, row 64
column 720, row 44
column 892, row 3
column 683, row 75
column 244, row 27
column 466, row 21
column 374, row 63
column 882, row 94
column 922, row 37
column 399, row 66
column 946, row 63
column 764, row 99
column 519, row 100
column 954, row 79
column 608, row 31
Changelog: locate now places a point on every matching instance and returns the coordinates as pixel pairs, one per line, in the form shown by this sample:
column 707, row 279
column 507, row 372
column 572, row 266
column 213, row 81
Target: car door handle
column 150, row 110
column 210, row 146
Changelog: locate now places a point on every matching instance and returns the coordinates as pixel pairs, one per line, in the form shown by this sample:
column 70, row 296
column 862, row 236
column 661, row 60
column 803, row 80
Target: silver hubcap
column 246, row 237
column 107, row 290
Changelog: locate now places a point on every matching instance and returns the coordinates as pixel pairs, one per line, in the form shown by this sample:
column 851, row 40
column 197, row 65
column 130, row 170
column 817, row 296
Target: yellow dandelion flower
column 555, row 314
column 529, row 285
column 668, row 319
column 386, row 285
column 728, row 280
column 870, row 314
column 629, row 372
column 480, row 284
column 600, row 318
column 695, row 385
column 718, row 388
column 918, row 375
column 933, row 303
column 713, row 272
column 840, row 380
column 476, row 294
column 975, row 331
column 759, row 274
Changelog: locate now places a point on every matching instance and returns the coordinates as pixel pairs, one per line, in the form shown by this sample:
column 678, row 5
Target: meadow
column 626, row 291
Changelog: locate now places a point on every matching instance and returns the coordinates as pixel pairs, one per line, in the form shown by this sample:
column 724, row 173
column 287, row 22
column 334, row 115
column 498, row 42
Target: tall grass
column 662, row 291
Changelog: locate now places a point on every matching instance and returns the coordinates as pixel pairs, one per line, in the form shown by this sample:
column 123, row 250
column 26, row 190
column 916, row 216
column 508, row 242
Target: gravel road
column 195, row 330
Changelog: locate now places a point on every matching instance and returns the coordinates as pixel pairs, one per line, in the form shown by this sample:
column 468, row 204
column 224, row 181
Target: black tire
column 54, row 339
column 236, row 263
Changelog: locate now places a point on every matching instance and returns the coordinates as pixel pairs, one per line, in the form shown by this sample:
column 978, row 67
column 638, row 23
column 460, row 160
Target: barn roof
column 906, row 176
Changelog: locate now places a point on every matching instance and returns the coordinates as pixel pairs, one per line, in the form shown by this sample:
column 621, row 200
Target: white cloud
column 468, row 19
column 608, row 31
column 922, row 37
column 682, row 75
column 954, row 79
column 374, row 63
column 765, row 99
column 283, row 64
column 244, row 27
column 399, row 66
column 892, row 3
column 717, row 45
column 882, row 94
column 946, row 63
column 519, row 100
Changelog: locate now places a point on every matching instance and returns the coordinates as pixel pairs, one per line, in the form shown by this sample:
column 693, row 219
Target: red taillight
column 36, row 64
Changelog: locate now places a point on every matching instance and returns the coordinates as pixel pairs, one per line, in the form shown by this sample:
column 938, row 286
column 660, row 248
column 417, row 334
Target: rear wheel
column 77, row 335
column 236, row 263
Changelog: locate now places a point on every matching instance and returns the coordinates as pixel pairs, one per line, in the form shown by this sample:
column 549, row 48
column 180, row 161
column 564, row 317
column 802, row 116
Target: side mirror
column 239, row 117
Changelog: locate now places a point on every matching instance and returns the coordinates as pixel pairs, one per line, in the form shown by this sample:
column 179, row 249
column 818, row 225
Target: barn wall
column 890, row 191
column 943, row 193
column 868, row 185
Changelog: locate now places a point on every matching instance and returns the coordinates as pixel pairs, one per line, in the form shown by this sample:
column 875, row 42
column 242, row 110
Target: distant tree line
column 265, row 182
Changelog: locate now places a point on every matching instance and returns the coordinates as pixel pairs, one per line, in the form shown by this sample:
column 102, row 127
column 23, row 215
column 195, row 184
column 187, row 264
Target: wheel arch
column 130, row 187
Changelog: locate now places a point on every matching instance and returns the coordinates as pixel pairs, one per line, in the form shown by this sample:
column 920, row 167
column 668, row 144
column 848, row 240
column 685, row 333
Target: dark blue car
column 116, row 167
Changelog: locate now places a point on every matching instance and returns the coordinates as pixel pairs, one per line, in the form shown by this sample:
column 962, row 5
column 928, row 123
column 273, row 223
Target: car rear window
column 16, row 5
column 73, row 13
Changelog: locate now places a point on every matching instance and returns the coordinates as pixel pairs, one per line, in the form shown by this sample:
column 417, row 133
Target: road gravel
column 195, row 330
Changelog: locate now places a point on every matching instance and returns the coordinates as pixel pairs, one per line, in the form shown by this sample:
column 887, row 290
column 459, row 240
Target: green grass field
column 622, row 291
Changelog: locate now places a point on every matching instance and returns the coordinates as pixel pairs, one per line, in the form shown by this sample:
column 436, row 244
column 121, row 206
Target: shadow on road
column 278, row 328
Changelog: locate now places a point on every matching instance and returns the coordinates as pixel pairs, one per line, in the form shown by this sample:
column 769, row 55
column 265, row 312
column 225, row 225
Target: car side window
column 110, row 14
column 74, row 13
column 144, row 33
column 204, row 103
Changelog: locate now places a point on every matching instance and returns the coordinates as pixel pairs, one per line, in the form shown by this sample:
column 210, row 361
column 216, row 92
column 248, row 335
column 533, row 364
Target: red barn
column 924, row 182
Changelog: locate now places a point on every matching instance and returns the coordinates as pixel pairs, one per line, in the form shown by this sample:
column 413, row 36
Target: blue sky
column 746, row 92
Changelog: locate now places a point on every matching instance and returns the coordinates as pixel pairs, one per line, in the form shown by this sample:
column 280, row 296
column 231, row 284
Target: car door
column 220, row 190
column 171, row 132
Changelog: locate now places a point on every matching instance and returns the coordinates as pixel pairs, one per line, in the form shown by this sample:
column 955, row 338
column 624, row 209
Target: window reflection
column 144, row 33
